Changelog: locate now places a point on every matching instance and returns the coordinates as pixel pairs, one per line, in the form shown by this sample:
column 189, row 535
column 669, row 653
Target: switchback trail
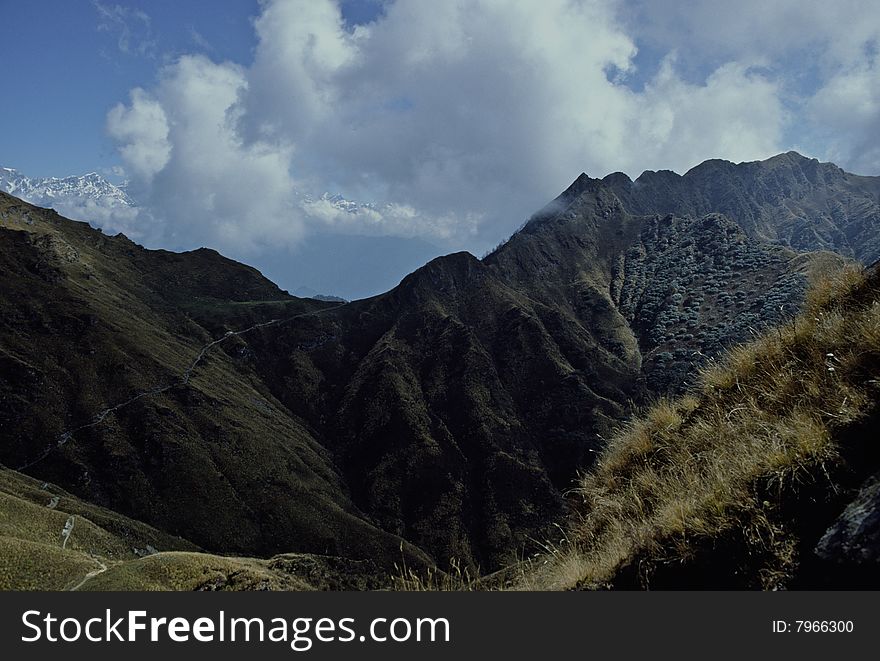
column 88, row 577
column 183, row 380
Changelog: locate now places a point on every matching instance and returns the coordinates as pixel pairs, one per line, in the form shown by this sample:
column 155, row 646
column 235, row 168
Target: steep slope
column 419, row 394
column 452, row 412
column 765, row 477
column 461, row 404
column 110, row 389
column 671, row 290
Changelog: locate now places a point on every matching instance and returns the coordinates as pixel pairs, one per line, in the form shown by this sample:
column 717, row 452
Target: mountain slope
column 765, row 477
column 460, row 404
column 100, row 393
column 51, row 540
column 788, row 199
column 452, row 412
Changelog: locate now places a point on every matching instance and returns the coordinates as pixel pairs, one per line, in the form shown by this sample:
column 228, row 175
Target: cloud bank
column 457, row 119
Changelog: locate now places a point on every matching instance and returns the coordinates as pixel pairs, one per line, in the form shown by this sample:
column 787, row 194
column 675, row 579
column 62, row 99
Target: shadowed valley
column 443, row 420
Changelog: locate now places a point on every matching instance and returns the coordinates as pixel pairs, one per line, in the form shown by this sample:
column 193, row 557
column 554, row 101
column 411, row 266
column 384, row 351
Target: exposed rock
column 854, row 538
column 447, row 416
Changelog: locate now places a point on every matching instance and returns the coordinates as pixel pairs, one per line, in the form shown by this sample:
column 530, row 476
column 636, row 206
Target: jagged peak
column 581, row 188
column 579, row 185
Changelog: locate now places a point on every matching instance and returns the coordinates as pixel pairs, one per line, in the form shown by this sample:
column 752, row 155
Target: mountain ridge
column 788, row 199
column 452, row 412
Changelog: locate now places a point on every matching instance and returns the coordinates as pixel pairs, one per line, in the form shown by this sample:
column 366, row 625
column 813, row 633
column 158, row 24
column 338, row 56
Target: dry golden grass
column 457, row 579
column 716, row 467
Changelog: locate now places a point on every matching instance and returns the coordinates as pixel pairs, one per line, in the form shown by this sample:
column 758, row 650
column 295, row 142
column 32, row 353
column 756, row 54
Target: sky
column 454, row 120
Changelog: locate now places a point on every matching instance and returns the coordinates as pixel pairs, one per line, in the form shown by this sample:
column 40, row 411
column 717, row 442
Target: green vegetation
column 734, row 484
column 441, row 424
column 194, row 571
column 107, row 551
column 51, row 540
column 91, row 321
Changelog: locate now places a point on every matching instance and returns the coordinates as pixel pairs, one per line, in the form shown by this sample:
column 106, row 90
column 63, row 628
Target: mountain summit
column 788, row 199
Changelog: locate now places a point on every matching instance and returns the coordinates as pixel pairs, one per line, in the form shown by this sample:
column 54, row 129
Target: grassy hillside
column 90, row 322
column 443, row 420
column 761, row 478
column 52, row 540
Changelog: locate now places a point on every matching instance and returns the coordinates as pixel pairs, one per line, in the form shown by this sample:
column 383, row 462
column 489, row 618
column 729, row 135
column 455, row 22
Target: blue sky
column 454, row 120
column 68, row 65
column 70, row 61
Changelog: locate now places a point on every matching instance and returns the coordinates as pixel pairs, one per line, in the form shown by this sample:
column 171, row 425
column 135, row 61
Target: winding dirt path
column 183, row 380
column 88, row 577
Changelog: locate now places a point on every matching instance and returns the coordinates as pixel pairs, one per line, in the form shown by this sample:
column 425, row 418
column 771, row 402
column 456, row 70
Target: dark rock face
column 788, row 199
column 451, row 412
column 854, row 538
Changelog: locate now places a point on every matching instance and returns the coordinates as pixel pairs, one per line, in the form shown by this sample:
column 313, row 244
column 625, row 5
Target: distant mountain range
column 354, row 265
column 443, row 420
column 64, row 192
column 50, row 191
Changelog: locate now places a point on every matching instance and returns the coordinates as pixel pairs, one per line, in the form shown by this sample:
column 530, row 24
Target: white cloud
column 141, row 129
column 465, row 115
column 831, row 32
column 821, row 55
column 846, row 113
column 736, row 114
column 303, row 46
column 393, row 219
column 106, row 213
column 209, row 186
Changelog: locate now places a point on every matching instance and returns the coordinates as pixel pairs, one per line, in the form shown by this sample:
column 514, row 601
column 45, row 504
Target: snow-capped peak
column 49, row 191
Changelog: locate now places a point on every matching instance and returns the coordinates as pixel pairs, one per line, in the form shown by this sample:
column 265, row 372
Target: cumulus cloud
column 107, row 213
column 736, row 113
column 822, row 57
column 191, row 171
column 141, row 129
column 457, row 119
